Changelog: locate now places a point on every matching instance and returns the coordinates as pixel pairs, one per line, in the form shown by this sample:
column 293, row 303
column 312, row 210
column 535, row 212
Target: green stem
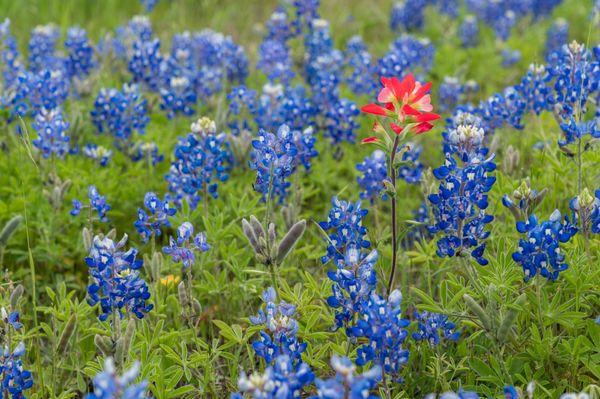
column 394, row 224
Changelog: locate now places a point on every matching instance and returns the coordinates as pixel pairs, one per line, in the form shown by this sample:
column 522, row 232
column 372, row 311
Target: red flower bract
column 405, row 101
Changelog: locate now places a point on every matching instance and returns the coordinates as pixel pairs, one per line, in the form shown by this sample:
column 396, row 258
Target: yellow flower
column 170, row 280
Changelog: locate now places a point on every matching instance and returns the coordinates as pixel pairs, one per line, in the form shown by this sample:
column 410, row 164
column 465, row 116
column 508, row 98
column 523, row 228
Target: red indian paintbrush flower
column 407, row 102
column 404, row 106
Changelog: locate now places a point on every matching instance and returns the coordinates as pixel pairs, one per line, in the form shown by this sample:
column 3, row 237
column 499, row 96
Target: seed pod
column 112, row 234
column 510, row 317
column 259, row 231
column 197, row 307
column 182, row 294
column 66, row 335
column 103, row 344
column 156, row 265
column 148, row 266
column 478, row 311
column 15, row 296
column 290, row 239
column 249, row 233
column 272, row 235
column 66, row 185
column 87, row 238
column 126, row 339
column 9, row 229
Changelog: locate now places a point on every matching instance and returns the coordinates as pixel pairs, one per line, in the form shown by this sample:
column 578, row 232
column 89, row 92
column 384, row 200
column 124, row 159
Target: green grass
column 555, row 342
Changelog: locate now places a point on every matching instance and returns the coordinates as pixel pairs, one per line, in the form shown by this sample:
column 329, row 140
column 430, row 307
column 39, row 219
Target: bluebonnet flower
column 115, row 280
column 12, row 65
column 324, row 73
column 524, row 200
column 120, row 113
column 433, row 327
column 460, row 205
column 320, row 52
column 184, row 248
column 145, row 62
column 344, row 225
column 586, row 211
column 576, row 76
column 306, row 12
column 448, row 7
column 340, row 121
column 411, row 168
column 278, row 105
column 201, row 161
column 510, row 57
column 51, row 128
column 12, row 319
column 461, row 394
column 510, row 392
column 97, row 203
column 408, row 15
column 449, row 93
column 374, row 172
column 79, row 62
column 501, row 16
column 279, row 336
column 281, row 380
column 540, row 251
column 46, row 89
column 468, row 31
column 381, row 324
column 360, row 62
column 241, row 109
column 178, row 97
column 354, row 280
column 557, row 36
column 109, row 385
column 148, row 151
column 42, row 48
column 535, row 89
column 273, row 159
column 407, row 53
column 149, row 4
column 275, row 59
column 149, row 225
column 137, row 28
column 14, row 379
column 500, row 109
column 100, row 154
column 452, row 91
column 347, row 384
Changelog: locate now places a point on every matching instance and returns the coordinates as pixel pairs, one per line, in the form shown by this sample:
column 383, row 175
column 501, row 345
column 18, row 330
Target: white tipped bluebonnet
column 108, row 385
column 347, row 384
column 279, row 336
column 460, row 205
column 52, row 129
column 115, row 280
column 201, row 162
column 380, row 323
column 120, row 113
column 282, row 380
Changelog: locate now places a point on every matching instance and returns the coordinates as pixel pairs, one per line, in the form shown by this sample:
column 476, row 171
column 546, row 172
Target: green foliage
column 512, row 332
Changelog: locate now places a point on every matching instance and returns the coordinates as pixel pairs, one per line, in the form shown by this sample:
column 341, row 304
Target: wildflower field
column 327, row 199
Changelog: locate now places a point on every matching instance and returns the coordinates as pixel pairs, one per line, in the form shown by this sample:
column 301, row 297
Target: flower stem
column 394, row 227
